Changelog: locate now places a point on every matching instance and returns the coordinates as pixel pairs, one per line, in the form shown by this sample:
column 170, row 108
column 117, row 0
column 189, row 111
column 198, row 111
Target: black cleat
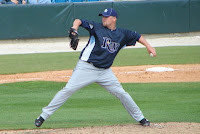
column 145, row 122
column 39, row 121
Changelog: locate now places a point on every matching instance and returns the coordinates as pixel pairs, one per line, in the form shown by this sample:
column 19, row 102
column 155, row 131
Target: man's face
column 107, row 21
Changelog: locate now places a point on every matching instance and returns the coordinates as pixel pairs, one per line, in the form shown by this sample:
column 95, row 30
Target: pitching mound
column 155, row 128
column 127, row 74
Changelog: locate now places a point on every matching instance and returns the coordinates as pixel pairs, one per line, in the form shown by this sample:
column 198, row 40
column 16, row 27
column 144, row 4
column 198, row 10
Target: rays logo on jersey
column 109, row 45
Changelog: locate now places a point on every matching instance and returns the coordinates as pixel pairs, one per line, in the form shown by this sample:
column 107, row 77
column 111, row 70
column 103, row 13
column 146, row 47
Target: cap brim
column 103, row 15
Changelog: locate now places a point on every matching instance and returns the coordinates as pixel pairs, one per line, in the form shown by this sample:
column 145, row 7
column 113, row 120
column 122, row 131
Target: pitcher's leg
column 81, row 77
column 59, row 99
column 110, row 82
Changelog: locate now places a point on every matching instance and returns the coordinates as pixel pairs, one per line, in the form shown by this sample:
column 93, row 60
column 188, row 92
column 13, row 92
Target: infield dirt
column 155, row 128
column 126, row 74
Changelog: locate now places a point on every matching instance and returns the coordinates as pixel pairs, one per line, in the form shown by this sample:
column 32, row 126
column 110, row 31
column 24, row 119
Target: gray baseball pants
column 85, row 74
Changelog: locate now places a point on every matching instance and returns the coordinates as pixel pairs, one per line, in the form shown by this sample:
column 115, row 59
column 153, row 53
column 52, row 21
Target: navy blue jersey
column 104, row 44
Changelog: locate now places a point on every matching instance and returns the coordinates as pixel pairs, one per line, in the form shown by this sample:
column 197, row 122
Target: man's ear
column 114, row 19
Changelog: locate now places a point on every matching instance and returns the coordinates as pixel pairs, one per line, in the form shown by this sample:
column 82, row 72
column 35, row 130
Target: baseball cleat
column 39, row 121
column 145, row 122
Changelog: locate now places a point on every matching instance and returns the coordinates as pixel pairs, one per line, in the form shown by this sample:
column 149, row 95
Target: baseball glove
column 73, row 35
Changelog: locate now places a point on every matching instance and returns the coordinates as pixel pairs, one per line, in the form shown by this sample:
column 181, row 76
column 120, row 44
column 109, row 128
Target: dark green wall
column 35, row 21
column 158, row 16
column 54, row 20
column 194, row 15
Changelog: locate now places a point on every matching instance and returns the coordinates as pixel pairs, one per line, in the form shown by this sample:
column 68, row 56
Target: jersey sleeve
column 88, row 25
column 132, row 37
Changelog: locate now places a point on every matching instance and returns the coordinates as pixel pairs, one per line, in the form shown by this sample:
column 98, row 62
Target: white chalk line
column 135, row 72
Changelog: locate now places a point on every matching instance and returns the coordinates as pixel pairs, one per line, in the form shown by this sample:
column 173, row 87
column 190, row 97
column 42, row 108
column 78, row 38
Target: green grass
column 23, row 63
column 22, row 102
column 165, row 55
column 10, row 64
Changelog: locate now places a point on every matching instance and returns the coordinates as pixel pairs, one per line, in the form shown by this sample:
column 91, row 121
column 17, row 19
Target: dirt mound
column 155, row 128
column 127, row 74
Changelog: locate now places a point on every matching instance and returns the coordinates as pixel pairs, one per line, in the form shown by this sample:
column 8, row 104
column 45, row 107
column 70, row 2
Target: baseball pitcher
column 95, row 60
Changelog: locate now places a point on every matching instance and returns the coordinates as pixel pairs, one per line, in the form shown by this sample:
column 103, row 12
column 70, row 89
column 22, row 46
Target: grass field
column 21, row 103
column 59, row 61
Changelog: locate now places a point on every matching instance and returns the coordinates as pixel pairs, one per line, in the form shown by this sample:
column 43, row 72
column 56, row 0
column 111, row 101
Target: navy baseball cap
column 109, row 12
